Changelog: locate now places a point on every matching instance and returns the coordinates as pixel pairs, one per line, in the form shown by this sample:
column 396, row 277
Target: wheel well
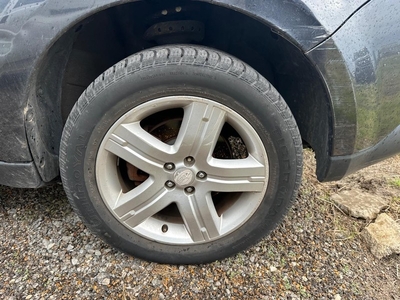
column 98, row 42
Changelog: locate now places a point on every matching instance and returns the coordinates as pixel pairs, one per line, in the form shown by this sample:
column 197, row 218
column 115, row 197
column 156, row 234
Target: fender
column 306, row 23
column 360, row 63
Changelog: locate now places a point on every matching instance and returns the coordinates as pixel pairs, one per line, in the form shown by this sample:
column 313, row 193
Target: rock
column 57, row 224
column 45, row 243
column 156, row 282
column 383, row 236
column 359, row 205
column 103, row 278
column 74, row 261
column 292, row 296
column 66, row 238
column 337, row 297
column 273, row 269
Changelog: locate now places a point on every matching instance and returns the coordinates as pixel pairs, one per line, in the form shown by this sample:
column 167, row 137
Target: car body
column 336, row 64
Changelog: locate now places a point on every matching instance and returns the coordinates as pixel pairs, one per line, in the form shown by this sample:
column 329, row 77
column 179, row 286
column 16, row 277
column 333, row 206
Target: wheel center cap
column 183, row 177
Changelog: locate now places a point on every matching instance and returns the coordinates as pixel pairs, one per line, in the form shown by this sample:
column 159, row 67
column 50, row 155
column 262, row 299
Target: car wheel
column 181, row 154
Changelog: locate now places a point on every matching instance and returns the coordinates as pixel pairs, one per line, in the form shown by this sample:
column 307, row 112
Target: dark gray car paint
column 305, row 23
column 29, row 28
column 361, row 64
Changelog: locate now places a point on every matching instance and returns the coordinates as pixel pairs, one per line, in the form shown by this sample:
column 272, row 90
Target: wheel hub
column 184, row 177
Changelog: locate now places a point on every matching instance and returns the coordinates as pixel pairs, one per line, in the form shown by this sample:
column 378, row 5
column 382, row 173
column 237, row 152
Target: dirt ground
column 381, row 277
column 316, row 253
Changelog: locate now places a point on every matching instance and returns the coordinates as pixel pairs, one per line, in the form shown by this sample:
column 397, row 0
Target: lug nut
column 169, row 166
column 189, row 159
column 170, row 184
column 201, row 175
column 189, row 189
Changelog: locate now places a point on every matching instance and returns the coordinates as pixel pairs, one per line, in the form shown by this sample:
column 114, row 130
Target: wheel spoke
column 141, row 203
column 201, row 126
column 200, row 217
column 239, row 175
column 139, row 148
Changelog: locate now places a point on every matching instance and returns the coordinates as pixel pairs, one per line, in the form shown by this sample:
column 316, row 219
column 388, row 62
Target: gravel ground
column 316, row 253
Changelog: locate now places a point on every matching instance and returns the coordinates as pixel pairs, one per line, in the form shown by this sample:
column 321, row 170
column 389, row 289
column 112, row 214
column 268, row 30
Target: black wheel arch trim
column 340, row 166
column 20, row 175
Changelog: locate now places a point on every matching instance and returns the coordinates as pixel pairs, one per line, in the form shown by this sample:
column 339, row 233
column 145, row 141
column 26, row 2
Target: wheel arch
column 298, row 80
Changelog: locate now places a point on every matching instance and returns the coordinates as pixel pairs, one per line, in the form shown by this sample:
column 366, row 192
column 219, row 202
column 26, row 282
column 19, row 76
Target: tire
column 181, row 154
